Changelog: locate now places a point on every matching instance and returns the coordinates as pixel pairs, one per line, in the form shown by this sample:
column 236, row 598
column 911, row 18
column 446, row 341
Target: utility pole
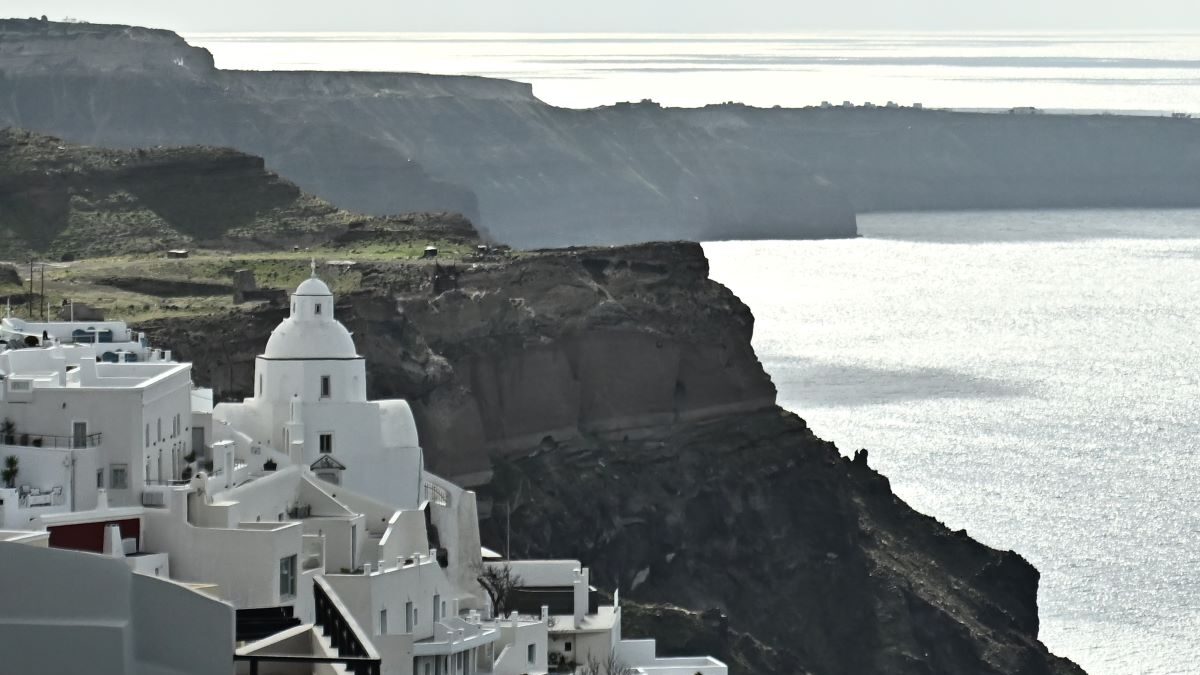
column 43, row 303
column 29, row 301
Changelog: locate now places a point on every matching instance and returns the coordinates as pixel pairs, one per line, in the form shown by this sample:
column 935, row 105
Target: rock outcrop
column 382, row 143
column 65, row 201
column 611, row 399
column 61, row 200
column 534, row 175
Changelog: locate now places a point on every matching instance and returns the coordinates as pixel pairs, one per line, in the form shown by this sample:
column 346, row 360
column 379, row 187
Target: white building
column 72, row 612
column 75, row 424
column 311, row 403
column 314, row 523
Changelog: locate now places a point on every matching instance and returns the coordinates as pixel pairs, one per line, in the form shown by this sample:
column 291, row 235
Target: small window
column 317, row 308
column 326, row 443
column 160, row 428
column 260, row 385
column 567, row 646
column 383, row 622
column 287, row 577
column 437, row 608
column 326, row 386
column 408, row 618
column 532, row 655
column 120, row 477
column 147, row 433
column 100, row 478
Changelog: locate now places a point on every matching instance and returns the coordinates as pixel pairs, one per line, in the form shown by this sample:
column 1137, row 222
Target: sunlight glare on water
column 1071, row 71
column 1032, row 377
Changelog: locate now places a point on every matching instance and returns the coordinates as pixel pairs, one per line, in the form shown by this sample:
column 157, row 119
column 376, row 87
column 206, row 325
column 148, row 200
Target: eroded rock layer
column 610, row 397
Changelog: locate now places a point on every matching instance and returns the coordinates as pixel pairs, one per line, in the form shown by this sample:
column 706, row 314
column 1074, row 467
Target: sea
column 1133, row 73
column 1032, row 377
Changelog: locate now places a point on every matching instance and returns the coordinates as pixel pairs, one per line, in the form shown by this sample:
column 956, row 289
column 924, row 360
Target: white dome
column 311, row 332
column 294, row 339
column 312, row 286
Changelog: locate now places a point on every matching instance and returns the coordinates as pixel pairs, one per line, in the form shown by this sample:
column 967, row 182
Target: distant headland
column 534, row 175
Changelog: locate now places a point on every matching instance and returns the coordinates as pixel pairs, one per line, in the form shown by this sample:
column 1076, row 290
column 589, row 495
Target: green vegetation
column 9, row 473
column 94, row 281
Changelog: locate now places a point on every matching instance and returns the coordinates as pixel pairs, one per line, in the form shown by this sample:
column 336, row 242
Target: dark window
column 326, row 386
column 317, row 308
column 120, row 477
column 567, row 646
column 287, row 577
column 326, row 443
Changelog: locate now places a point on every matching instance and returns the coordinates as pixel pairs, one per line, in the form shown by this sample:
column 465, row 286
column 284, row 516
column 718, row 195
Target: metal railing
column 343, row 632
column 354, row 651
column 30, row 500
column 47, row 441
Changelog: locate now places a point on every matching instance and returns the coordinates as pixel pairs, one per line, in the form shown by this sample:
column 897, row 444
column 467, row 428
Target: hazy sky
column 624, row 15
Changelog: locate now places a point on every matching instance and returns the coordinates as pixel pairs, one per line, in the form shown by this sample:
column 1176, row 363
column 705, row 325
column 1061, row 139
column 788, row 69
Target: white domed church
column 310, row 402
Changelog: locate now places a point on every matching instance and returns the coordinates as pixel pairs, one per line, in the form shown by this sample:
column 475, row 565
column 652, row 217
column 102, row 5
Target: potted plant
column 9, row 473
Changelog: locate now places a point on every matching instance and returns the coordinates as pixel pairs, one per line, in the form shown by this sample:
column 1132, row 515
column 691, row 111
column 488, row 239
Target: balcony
column 31, row 497
column 19, row 505
column 27, row 440
column 452, row 635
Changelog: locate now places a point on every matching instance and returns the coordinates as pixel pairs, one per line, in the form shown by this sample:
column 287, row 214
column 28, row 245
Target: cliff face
column 58, row 199
column 534, row 175
column 530, row 174
column 610, row 397
column 809, row 552
column 518, row 351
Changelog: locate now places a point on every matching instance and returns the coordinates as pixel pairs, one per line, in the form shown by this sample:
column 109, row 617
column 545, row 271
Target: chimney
column 580, row 588
column 112, row 541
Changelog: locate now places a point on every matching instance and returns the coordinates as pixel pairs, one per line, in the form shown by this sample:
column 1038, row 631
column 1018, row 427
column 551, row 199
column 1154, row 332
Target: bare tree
column 499, row 582
column 611, row 665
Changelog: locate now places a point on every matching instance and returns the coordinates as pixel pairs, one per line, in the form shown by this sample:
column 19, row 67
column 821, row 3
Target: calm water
column 1064, row 71
column 1032, row 377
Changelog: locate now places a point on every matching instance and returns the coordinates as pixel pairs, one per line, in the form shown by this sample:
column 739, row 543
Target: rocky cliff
column 61, row 200
column 611, row 400
column 534, row 175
